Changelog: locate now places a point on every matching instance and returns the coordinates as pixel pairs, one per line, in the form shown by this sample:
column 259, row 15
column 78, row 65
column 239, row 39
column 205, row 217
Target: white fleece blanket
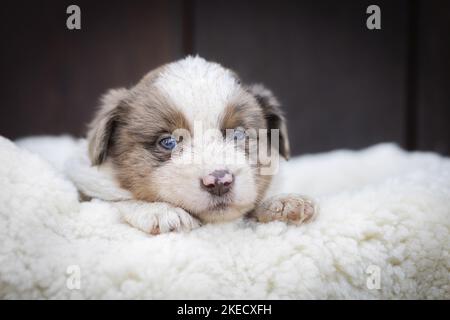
column 383, row 232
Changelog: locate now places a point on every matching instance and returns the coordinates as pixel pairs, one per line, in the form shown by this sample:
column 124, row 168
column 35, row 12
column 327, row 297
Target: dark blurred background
column 342, row 85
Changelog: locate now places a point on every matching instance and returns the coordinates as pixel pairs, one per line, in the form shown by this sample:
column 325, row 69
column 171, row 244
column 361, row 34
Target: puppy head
column 182, row 136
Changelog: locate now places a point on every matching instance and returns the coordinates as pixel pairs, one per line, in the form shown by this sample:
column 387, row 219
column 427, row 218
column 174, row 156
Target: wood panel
column 52, row 77
column 433, row 76
column 341, row 84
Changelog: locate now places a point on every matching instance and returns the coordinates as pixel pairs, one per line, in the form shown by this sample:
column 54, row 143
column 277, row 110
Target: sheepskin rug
column 383, row 233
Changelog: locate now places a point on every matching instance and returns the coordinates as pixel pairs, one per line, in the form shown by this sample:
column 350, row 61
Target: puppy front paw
column 170, row 219
column 156, row 217
column 291, row 208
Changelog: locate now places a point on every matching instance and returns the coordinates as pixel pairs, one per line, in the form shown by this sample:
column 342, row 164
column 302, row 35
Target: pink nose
column 217, row 182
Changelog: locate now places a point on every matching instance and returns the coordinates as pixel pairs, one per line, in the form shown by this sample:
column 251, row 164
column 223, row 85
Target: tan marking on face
column 243, row 112
column 147, row 116
column 246, row 113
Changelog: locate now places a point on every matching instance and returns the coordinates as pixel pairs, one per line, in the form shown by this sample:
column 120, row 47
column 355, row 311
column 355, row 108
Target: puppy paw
column 291, row 208
column 156, row 217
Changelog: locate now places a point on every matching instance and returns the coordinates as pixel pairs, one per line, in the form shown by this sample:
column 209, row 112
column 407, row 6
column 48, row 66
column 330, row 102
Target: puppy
column 186, row 142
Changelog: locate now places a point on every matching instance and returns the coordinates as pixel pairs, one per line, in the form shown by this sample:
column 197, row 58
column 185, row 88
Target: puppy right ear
column 102, row 126
column 273, row 114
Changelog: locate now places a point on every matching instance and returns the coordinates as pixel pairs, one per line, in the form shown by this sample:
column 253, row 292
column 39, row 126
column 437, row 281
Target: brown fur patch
column 243, row 112
column 246, row 113
column 135, row 150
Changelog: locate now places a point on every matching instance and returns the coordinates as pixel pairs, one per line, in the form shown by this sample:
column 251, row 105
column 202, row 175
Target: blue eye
column 168, row 143
column 239, row 134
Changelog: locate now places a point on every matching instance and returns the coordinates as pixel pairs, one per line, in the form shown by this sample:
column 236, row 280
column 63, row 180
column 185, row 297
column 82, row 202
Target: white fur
column 155, row 217
column 200, row 89
column 179, row 181
column 71, row 158
column 379, row 207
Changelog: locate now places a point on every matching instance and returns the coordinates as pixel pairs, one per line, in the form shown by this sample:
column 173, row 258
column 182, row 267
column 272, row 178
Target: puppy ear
column 273, row 114
column 102, row 126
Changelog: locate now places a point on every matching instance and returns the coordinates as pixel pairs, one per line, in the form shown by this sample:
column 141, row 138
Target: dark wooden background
column 342, row 85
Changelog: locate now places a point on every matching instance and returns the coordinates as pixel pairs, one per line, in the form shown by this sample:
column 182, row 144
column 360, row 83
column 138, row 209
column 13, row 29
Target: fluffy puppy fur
column 127, row 130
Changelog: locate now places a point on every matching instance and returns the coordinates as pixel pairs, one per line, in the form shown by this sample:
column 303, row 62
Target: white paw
column 293, row 208
column 156, row 217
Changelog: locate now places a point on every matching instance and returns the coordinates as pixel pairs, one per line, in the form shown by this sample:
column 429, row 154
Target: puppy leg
column 155, row 217
column 291, row 208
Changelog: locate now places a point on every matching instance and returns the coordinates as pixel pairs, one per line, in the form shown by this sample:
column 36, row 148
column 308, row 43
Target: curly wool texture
column 381, row 208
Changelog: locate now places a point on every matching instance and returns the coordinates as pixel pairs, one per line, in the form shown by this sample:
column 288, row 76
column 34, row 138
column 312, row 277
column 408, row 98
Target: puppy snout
column 218, row 182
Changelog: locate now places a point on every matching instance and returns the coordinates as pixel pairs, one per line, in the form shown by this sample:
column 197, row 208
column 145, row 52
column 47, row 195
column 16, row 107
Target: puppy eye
column 168, row 143
column 239, row 134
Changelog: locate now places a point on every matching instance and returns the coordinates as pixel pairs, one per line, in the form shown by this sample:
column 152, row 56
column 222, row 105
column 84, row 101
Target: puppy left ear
column 273, row 114
column 103, row 125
